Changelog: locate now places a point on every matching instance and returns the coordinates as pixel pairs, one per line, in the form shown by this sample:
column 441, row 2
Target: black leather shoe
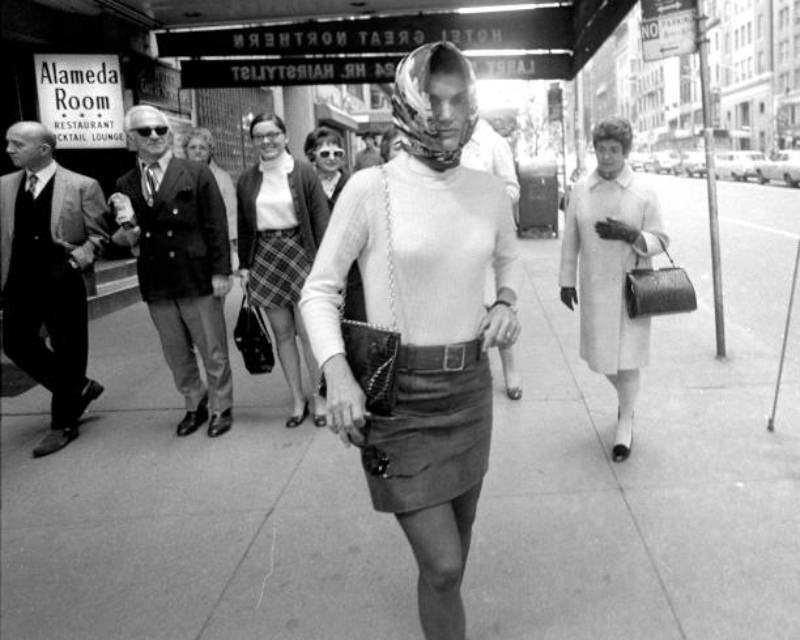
column 91, row 392
column 193, row 419
column 296, row 421
column 220, row 423
column 55, row 440
column 515, row 393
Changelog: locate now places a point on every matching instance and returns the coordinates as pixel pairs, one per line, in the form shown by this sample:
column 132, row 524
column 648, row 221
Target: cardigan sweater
column 310, row 206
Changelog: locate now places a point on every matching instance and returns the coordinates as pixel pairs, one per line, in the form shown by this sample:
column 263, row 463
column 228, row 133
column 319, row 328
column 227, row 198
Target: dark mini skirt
column 437, row 441
column 280, row 268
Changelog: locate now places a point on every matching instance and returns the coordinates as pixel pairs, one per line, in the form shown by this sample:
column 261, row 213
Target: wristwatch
column 504, row 303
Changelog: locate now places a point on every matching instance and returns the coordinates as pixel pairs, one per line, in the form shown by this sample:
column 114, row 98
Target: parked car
column 663, row 162
column 693, row 164
column 738, row 165
column 637, row 159
column 784, row 165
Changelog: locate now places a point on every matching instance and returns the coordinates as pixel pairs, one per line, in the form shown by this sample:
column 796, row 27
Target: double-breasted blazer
column 77, row 217
column 183, row 239
column 310, row 207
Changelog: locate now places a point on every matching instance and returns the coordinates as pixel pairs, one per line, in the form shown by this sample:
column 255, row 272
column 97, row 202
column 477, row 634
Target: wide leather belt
column 449, row 357
column 280, row 233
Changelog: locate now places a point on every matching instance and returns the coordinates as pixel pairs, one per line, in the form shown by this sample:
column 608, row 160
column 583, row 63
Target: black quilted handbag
column 653, row 292
column 252, row 339
column 372, row 350
column 372, row 355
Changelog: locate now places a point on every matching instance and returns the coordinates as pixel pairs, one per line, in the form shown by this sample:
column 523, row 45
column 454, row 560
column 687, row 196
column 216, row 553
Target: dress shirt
column 43, row 176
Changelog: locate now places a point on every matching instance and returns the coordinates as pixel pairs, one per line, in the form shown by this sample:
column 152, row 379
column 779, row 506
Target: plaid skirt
column 280, row 268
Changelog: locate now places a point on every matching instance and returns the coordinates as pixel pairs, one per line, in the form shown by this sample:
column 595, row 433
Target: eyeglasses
column 271, row 135
column 145, row 132
column 326, row 153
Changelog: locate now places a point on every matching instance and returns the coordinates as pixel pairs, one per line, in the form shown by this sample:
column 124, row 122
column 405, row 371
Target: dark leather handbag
column 252, row 339
column 372, row 354
column 372, row 350
column 653, row 292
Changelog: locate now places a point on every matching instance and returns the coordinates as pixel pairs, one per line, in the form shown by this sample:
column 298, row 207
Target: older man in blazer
column 53, row 229
column 172, row 211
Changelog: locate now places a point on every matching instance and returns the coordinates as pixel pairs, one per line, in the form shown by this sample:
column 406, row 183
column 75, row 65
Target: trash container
column 538, row 198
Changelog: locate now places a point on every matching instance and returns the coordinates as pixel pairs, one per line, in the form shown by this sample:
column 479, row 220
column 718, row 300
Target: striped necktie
column 33, row 180
column 151, row 182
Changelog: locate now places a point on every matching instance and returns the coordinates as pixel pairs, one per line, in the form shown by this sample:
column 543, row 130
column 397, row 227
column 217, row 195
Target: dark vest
column 33, row 252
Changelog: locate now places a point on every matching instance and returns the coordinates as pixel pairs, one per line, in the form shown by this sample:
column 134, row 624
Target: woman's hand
column 613, row 229
column 244, row 276
column 346, row 402
column 569, row 296
column 500, row 327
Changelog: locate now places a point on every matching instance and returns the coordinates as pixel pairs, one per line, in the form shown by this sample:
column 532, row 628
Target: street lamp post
column 711, row 181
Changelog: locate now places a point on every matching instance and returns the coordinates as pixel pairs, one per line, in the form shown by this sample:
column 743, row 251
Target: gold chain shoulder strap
column 389, row 247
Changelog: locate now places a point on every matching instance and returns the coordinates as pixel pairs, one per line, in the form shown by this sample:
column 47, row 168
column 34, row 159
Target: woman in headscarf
column 446, row 226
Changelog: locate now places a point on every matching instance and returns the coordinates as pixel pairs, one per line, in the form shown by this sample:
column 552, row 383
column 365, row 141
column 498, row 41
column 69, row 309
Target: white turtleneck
column 274, row 205
column 448, row 228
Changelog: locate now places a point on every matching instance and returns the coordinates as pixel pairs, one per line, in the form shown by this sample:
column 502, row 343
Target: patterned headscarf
column 411, row 104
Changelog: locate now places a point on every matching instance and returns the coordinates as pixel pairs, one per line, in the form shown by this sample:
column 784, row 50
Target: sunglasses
column 326, row 153
column 145, row 132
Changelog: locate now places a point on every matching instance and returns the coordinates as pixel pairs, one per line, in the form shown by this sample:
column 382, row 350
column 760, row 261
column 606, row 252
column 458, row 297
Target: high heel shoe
column 621, row 452
column 515, row 393
column 296, row 421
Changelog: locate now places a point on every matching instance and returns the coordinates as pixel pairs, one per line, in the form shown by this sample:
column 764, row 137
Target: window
column 760, row 67
column 749, row 33
column 760, row 26
column 761, row 107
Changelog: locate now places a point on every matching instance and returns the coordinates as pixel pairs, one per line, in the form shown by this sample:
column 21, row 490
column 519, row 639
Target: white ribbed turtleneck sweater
column 448, row 228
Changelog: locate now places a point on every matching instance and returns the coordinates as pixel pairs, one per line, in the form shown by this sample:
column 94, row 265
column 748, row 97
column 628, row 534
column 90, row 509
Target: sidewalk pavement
column 268, row 533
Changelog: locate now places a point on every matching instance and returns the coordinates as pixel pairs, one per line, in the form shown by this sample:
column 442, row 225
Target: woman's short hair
column 267, row 117
column 318, row 137
column 202, row 133
column 614, row 128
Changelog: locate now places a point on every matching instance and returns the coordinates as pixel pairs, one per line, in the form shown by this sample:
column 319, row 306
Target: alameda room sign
column 80, row 99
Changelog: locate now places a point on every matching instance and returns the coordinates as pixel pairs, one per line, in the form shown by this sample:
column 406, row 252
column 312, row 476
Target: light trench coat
column 610, row 341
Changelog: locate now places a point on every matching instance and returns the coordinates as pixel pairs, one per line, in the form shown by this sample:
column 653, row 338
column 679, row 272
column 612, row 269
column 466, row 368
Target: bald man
column 53, row 230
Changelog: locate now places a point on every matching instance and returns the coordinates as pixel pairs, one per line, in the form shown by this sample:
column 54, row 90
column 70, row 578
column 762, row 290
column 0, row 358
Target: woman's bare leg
column 311, row 362
column 440, row 538
column 282, row 323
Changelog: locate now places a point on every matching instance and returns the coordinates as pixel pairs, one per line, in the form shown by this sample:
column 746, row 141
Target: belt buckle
column 457, row 352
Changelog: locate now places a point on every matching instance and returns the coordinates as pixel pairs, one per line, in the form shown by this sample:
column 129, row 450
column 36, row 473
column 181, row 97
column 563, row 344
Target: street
column 759, row 230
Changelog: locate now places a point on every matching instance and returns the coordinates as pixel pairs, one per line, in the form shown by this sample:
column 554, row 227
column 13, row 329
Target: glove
column 613, row 229
column 569, row 296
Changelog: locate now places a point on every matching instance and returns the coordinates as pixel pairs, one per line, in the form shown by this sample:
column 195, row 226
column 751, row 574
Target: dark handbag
column 371, row 350
column 653, row 292
column 252, row 339
column 372, row 354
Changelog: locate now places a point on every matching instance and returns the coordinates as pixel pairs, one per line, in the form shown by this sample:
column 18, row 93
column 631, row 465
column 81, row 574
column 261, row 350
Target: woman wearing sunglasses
column 325, row 150
column 448, row 224
column 282, row 215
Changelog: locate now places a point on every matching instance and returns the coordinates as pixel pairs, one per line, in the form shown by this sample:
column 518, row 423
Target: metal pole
column 771, row 420
column 711, row 179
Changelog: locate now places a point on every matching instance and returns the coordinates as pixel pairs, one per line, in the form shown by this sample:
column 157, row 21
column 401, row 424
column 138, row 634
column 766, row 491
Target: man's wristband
column 504, row 303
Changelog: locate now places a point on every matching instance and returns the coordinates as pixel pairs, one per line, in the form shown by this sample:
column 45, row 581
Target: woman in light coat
column 613, row 222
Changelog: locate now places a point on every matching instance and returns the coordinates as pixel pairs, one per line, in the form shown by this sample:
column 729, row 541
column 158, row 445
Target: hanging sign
column 80, row 99
column 668, row 28
column 198, row 74
column 540, row 28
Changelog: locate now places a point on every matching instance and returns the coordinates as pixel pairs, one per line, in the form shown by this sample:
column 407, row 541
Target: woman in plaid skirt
column 282, row 215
